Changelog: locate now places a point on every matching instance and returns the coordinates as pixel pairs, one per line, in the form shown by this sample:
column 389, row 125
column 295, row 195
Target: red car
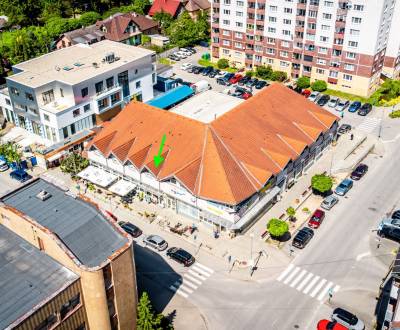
column 235, row 79
column 246, row 95
column 330, row 325
column 316, row 219
column 306, row 92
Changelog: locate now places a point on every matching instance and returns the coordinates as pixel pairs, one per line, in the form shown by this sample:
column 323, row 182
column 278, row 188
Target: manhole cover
column 373, row 209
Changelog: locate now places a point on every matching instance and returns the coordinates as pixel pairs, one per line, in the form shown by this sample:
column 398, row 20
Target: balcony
column 107, row 91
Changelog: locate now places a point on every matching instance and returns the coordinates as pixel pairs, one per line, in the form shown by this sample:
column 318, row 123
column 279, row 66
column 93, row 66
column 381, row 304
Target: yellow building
column 77, row 234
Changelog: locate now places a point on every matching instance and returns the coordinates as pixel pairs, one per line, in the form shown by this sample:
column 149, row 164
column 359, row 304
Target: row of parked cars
column 156, row 242
column 305, row 234
column 339, row 104
column 182, row 53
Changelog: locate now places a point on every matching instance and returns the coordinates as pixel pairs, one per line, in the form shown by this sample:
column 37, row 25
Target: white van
column 201, row 86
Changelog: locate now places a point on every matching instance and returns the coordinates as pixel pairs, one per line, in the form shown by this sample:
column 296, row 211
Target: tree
column 147, row 319
column 279, row 76
column 74, row 164
column 321, row 183
column 89, row 18
column 264, row 72
column 22, row 12
column 249, row 74
column 186, row 32
column 303, row 82
column 164, row 20
column 277, row 228
column 139, row 6
column 291, row 212
column 319, row 86
column 223, row 63
column 10, row 151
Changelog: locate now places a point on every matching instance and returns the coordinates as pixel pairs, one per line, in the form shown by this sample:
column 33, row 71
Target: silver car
column 3, row 166
column 333, row 102
column 388, row 222
column 156, row 242
column 329, row 202
column 314, row 96
column 342, row 105
column 347, row 319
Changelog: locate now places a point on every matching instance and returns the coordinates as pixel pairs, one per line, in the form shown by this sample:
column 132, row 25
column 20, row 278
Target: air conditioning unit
column 43, row 195
column 110, row 57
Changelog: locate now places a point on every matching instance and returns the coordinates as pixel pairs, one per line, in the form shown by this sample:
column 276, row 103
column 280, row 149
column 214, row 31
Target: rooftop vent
column 109, row 58
column 43, row 195
column 95, row 65
column 67, row 68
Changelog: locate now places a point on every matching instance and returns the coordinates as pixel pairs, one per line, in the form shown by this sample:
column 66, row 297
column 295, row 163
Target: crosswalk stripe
column 318, row 287
column 305, row 281
column 298, row 278
column 336, row 288
column 204, row 267
column 197, row 275
column 191, row 285
column 324, row 292
column 311, row 284
column 291, row 275
column 183, row 294
column 195, row 280
column 284, row 273
column 201, row 271
column 185, row 288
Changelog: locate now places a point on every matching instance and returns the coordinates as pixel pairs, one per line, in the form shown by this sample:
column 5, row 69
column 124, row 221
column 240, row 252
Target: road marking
column 197, row 275
column 336, row 288
column 178, row 291
column 298, row 278
column 369, row 124
column 200, row 271
column 311, row 284
column 305, row 281
column 195, row 280
column 318, row 287
column 291, row 275
column 324, row 292
column 191, row 285
column 284, row 273
column 362, row 255
column 204, row 267
column 184, row 288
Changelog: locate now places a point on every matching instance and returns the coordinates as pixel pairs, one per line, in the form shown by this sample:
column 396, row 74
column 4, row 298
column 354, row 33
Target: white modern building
column 340, row 41
column 68, row 91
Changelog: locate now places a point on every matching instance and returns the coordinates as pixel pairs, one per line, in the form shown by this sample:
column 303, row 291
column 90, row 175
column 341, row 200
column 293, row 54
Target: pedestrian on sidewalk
column 341, row 114
column 351, row 136
column 330, row 294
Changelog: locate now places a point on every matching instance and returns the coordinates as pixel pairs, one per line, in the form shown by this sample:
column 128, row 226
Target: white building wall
column 393, row 44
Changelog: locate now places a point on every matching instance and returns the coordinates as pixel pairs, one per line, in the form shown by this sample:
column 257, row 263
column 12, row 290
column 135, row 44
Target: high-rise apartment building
column 340, row 41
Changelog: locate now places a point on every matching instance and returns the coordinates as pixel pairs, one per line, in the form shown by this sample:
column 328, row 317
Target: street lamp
column 331, row 163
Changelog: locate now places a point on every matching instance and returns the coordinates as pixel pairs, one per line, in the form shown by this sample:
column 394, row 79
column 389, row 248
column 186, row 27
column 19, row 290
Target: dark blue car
column 355, row 106
column 20, row 175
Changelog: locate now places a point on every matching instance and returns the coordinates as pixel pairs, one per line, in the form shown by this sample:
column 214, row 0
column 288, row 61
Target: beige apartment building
column 79, row 236
column 346, row 43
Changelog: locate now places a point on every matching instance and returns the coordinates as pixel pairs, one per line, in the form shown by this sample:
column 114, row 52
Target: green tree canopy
column 277, row 227
column 147, row 319
column 184, row 31
column 303, row 82
column 321, row 183
column 163, row 19
column 279, row 76
column 319, row 86
column 223, row 63
column 74, row 164
column 264, row 72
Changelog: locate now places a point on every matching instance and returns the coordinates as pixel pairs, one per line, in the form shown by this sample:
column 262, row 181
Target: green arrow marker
column 158, row 159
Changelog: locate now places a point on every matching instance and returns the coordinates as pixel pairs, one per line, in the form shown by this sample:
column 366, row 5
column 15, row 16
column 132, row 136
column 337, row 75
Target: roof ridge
column 302, row 130
column 284, row 141
column 315, row 116
column 200, row 174
column 269, row 156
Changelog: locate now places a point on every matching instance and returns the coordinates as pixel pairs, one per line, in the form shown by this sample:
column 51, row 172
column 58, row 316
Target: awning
column 57, row 156
column 98, row 176
column 122, row 187
column 171, row 97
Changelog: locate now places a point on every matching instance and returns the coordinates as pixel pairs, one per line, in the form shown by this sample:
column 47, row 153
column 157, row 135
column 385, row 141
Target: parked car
column 333, row 102
column 344, row 128
column 342, row 105
column 239, row 91
column 261, row 84
column 246, row 95
column 329, row 202
column 191, row 49
column 390, row 232
column 181, row 55
column 316, row 219
column 389, row 222
column 3, row 165
column 20, row 175
column 306, row 92
column 244, row 81
column 354, row 106
column 330, row 325
column 213, row 73
column 220, row 74
column 235, row 79
column 365, row 109
column 323, row 100
column 186, row 66
column 198, row 70
column 303, row 237
column 314, row 96
column 344, row 187
column 252, row 82
column 185, row 52
column 190, row 69
column 396, row 214
column 359, row 172
column 156, row 242
column 347, row 319
column 181, row 256
column 130, row 228
column 224, row 80
column 174, row 57
column 207, row 70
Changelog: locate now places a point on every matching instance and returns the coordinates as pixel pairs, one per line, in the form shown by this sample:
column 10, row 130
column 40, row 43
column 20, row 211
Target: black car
column 261, row 84
column 213, row 73
column 174, row 57
column 359, row 172
column 324, row 99
column 181, row 256
column 225, row 79
column 344, row 128
column 130, row 228
column 20, row 175
column 390, row 232
column 207, row 70
column 396, row 215
column 244, row 81
column 303, row 236
column 252, row 82
column 198, row 69
column 190, row 70
column 191, row 49
column 365, row 109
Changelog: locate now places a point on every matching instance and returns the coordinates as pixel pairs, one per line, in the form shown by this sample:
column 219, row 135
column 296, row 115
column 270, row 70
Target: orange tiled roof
column 227, row 160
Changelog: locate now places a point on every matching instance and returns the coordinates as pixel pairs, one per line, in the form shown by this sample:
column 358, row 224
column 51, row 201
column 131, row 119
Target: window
column 349, row 67
column 284, row 53
column 326, row 16
column 272, row 19
column 76, row 113
column 226, row 11
column 226, row 22
column 99, row 87
column 47, row 323
column 273, row 9
column 65, row 132
column 239, row 14
column 226, row 42
column 285, row 44
column 347, row 77
column 321, row 61
column 312, row 13
column 73, row 131
column 110, row 82
column 354, row 32
column 288, row 10
column 271, row 29
column 69, row 306
column 239, row 24
column 226, row 32
column 333, row 74
column 284, row 64
column 8, row 102
column 29, row 96
column 138, row 84
column 310, row 36
column 320, row 71
column 61, row 92
column 115, row 98
column 84, row 92
column 358, row 7
column 353, row 44
column 325, row 27
column 286, row 32
column 287, row 21
column 48, row 96
column 240, row 3
column 86, row 107
column 14, row 91
column 328, row 3
column 351, row 55
column 227, row 2
column 323, row 38
column 270, row 51
column 356, row 20
column 238, row 45
column 238, row 35
column 46, row 117
column 312, row 26
column 103, row 103
column 271, row 41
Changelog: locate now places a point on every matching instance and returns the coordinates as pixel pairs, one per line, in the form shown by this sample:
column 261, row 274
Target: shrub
column 277, row 227
column 395, row 114
column 279, row 76
column 319, row 86
column 73, row 164
column 264, row 72
column 222, row 63
column 249, row 73
column 321, row 183
column 303, row 82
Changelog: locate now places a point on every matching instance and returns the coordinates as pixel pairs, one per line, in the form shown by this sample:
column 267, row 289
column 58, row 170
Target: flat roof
column 74, row 64
column 28, row 277
column 171, row 97
column 207, row 106
column 80, row 226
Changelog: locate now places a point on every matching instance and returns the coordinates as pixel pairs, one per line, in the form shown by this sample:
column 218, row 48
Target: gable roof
column 167, row 6
column 228, row 159
column 84, row 35
column 194, row 5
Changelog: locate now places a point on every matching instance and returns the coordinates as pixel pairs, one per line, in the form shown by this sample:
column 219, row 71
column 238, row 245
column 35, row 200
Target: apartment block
column 78, row 235
column 71, row 90
column 341, row 42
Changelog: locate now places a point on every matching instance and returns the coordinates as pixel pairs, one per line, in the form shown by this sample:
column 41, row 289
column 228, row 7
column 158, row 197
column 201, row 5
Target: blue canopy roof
column 171, row 97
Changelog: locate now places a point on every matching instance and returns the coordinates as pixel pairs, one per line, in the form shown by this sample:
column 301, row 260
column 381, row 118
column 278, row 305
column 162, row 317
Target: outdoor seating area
column 98, row 176
column 122, row 187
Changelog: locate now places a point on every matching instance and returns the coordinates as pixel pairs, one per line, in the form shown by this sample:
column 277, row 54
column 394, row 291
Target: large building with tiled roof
column 176, row 7
column 217, row 171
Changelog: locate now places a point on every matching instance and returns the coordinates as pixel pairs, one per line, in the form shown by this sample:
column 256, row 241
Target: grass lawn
column 347, row 96
column 166, row 61
column 214, row 65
